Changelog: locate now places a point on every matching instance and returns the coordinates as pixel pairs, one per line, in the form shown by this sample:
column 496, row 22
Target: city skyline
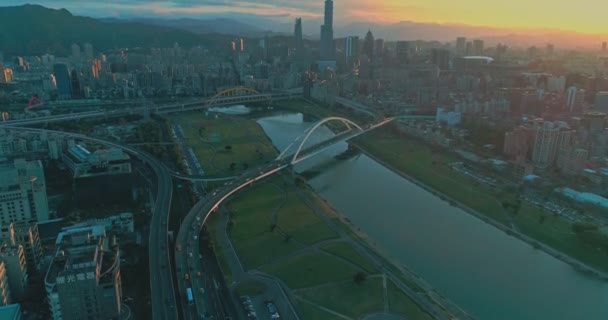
column 582, row 18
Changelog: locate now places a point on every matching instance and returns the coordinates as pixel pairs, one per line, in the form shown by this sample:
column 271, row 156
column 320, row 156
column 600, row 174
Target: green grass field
column 309, row 311
column 250, row 288
column 346, row 251
column 248, row 143
column 311, row 269
column 349, row 298
column 401, row 304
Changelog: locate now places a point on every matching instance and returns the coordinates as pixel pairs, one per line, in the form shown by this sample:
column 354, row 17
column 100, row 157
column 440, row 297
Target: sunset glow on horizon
column 585, row 16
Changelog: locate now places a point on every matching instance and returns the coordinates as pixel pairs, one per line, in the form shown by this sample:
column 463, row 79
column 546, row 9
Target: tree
column 272, row 227
column 245, row 166
column 359, row 277
column 542, row 219
column 287, row 238
column 228, row 148
column 232, row 166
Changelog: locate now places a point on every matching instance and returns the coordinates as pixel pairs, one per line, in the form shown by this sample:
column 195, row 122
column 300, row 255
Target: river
column 488, row 273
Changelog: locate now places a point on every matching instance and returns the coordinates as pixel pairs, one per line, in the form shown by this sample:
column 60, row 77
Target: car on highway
column 272, row 309
column 190, row 254
column 195, row 237
column 178, row 248
column 186, row 277
column 199, row 274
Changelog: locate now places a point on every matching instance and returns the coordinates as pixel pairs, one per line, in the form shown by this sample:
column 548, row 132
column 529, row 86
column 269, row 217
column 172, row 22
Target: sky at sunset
column 586, row 16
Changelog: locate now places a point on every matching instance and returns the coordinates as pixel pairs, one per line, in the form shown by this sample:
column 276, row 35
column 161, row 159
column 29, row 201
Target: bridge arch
column 349, row 124
column 231, row 92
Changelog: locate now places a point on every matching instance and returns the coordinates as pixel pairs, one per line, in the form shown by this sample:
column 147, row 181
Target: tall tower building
column 23, row 192
column 62, row 78
column 83, row 279
column 298, row 41
column 328, row 49
column 368, row 45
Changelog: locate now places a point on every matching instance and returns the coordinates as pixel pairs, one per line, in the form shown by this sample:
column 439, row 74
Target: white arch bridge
column 297, row 151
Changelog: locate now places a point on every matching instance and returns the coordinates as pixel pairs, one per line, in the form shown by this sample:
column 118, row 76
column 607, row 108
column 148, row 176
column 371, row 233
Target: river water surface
column 488, row 273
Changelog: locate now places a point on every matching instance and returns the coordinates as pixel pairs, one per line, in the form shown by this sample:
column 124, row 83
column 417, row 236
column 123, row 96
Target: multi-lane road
column 207, row 292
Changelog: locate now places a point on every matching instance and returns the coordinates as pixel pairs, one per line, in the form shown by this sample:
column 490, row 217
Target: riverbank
column 575, row 263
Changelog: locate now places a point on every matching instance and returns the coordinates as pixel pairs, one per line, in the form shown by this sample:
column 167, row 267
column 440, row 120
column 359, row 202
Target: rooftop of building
column 78, row 250
column 10, row 312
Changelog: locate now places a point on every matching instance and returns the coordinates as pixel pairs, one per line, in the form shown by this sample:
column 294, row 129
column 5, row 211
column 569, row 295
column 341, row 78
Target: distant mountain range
column 33, row 29
column 219, row 25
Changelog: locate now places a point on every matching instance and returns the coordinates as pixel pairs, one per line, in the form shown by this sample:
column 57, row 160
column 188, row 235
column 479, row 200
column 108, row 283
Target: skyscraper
column 604, row 46
column 328, row 49
column 351, row 48
column 298, row 42
column 62, row 77
column 75, row 83
column 368, row 46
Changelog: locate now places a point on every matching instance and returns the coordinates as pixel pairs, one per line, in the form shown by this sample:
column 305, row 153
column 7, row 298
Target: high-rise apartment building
column 62, row 79
column 5, row 290
column 549, row 138
column 440, row 58
column 478, row 47
column 83, row 280
column 402, row 51
column 328, row 49
column 575, row 98
column 23, row 192
column 26, row 234
column 13, row 257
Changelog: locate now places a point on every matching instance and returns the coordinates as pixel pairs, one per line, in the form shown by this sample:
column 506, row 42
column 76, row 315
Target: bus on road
column 189, row 295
